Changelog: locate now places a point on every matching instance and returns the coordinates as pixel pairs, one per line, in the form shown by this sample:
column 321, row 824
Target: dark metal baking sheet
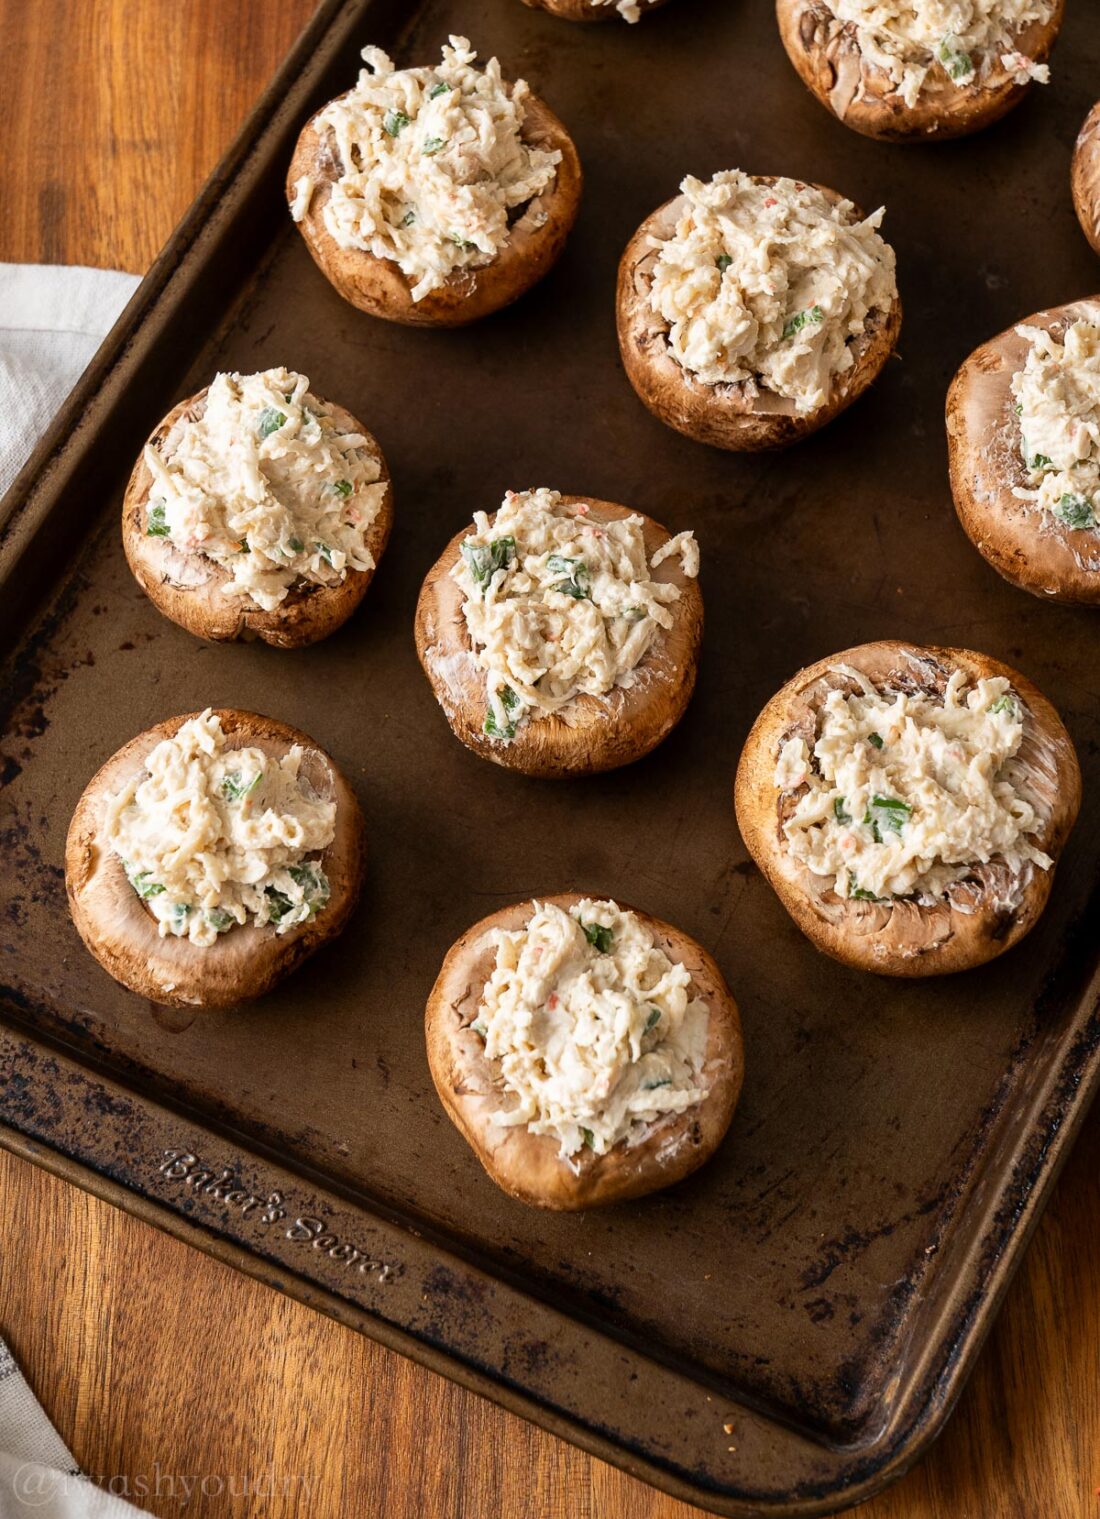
column 824, row 1284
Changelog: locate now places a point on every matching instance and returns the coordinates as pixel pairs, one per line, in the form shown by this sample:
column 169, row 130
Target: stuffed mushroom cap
column 1031, row 549
column 536, row 238
column 243, row 963
column 1085, row 177
column 528, row 1166
column 826, row 55
column 190, row 588
column 590, row 10
column 728, row 416
column 593, row 733
column 977, row 918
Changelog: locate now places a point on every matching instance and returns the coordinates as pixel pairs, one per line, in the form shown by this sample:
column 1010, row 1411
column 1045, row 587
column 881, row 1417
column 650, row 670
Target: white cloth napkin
column 38, row 1476
column 52, row 320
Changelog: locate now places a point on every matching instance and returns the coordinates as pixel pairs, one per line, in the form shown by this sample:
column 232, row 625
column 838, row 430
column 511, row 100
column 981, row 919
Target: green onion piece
column 219, row 919
column 860, row 895
column 270, row 421
column 438, row 89
column 393, row 121
column 432, row 146
column 723, row 261
column 234, row 786
column 887, row 813
column 408, row 218
column 484, row 559
column 142, row 882
column 510, row 702
column 653, row 1019
column 803, row 319
column 296, row 545
column 278, row 904
column 1007, row 704
column 589, row 1138
column 651, row 1086
column 576, row 583
column 840, row 812
column 599, row 937
column 1038, row 461
column 325, row 550
column 957, row 63
column 156, row 524
column 342, row 487
column 876, row 739
column 1075, row 511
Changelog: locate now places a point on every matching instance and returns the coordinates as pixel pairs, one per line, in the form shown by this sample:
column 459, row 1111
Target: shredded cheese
column 1058, row 403
column 596, row 1030
column 211, row 836
column 903, row 794
column 434, row 166
column 557, row 605
column 766, row 285
column 267, row 486
column 966, row 40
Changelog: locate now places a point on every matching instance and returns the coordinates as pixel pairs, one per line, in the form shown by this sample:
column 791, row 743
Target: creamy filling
column 904, row 794
column 767, row 285
column 596, row 1031
column 965, row 40
column 211, row 836
column 1058, row 405
column 557, row 605
column 434, row 167
column 629, row 10
column 267, row 486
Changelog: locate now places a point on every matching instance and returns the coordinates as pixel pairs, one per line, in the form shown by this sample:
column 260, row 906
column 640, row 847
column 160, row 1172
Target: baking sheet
column 824, row 1283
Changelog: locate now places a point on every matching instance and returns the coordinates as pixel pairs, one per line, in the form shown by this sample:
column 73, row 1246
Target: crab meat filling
column 904, row 794
column 766, row 286
column 1058, row 405
column 596, row 1030
column 434, row 167
column 964, row 41
column 267, row 485
column 557, row 605
column 211, row 836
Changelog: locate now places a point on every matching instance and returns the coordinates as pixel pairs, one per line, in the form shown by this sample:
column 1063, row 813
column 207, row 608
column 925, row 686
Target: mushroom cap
column 1085, row 177
column 246, row 961
column 980, row 917
column 592, row 733
column 588, row 10
column 188, row 587
column 1038, row 553
column 527, row 1166
column 727, row 416
column 827, row 58
column 377, row 285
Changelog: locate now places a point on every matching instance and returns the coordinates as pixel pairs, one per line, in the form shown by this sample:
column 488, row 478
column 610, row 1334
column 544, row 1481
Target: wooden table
column 112, row 112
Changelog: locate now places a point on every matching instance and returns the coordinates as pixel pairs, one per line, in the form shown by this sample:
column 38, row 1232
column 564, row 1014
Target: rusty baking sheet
column 786, row 1331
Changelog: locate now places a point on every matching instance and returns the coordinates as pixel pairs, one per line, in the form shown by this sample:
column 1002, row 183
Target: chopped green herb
column 576, row 583
column 278, row 904
column 438, row 89
column 432, row 145
column 860, row 895
column 510, row 702
column 589, row 1138
column 408, row 218
column 156, row 525
column 325, row 550
column 1006, row 704
column 723, row 261
column 1019, row 408
column 342, row 487
column 181, row 910
column 653, row 1019
column 142, row 882
column 313, row 883
column 484, row 559
column 886, row 814
column 393, row 121
column 461, row 242
column 219, row 919
column 803, row 319
column 599, row 937
column 634, row 614
column 1075, row 511
column 234, row 785
column 840, row 812
column 297, row 545
column 270, row 421
column 954, row 60
column 876, row 739
column 1038, row 461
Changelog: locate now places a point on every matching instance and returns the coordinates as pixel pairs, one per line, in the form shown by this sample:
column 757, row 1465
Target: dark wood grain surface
column 205, row 1393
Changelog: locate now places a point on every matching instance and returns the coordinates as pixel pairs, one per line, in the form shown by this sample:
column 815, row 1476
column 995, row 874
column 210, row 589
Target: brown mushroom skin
column 377, row 285
column 247, row 961
column 598, row 732
column 827, row 59
column 726, row 416
column 1028, row 548
column 188, row 587
column 1085, row 177
column 902, row 938
column 588, row 10
column 527, row 1166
